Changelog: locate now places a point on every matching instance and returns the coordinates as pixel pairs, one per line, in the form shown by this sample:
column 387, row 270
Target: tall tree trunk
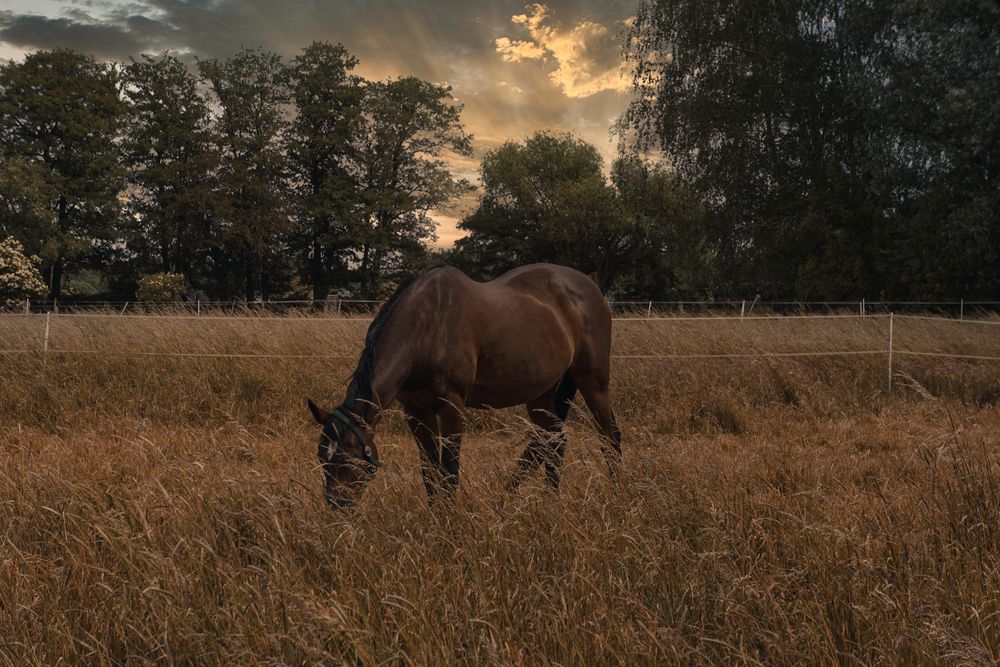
column 317, row 268
column 249, row 276
column 55, row 279
column 365, row 260
column 376, row 273
column 56, row 275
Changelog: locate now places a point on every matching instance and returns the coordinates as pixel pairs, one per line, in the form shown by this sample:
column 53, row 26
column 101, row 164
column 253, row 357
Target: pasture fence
column 890, row 351
column 340, row 307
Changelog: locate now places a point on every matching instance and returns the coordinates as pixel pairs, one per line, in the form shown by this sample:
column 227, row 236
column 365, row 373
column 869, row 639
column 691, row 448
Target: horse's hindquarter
column 531, row 325
column 495, row 344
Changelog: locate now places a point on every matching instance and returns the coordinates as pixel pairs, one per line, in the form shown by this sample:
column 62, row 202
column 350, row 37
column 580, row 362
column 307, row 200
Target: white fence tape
column 750, row 355
column 948, row 320
column 367, row 319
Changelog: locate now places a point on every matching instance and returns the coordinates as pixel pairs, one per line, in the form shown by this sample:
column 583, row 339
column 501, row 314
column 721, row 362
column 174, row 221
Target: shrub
column 19, row 275
column 161, row 287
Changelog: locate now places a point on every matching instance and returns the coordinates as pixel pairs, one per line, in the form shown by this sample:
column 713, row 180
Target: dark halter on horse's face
column 352, row 425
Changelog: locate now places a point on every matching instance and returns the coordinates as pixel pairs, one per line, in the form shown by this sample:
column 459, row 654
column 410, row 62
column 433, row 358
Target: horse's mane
column 360, row 387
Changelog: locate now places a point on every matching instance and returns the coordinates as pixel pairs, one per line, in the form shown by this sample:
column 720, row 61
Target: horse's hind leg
column 548, row 444
column 452, row 429
column 596, row 392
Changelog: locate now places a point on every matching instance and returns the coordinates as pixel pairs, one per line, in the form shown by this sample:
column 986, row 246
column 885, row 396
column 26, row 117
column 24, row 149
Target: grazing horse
column 444, row 342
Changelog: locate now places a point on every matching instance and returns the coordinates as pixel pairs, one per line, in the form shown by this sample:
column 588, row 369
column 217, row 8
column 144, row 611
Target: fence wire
column 888, row 351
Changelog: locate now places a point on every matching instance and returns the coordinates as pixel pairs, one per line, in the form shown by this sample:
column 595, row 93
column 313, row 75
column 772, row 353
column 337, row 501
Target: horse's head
column 347, row 453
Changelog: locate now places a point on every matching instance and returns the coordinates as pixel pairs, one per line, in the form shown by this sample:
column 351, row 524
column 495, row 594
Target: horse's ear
column 318, row 413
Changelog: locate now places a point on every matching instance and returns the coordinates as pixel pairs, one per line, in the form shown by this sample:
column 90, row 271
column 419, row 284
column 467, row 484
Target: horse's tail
column 564, row 396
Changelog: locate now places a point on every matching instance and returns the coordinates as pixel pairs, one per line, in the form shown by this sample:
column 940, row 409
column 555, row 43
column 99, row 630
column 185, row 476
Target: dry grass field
column 772, row 510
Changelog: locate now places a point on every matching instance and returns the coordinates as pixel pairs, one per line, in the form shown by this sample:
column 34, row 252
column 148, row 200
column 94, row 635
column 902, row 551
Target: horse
column 443, row 342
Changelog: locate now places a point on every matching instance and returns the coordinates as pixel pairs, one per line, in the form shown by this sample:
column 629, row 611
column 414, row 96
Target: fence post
column 27, row 305
column 862, row 307
column 890, row 350
column 743, row 308
column 197, row 304
column 961, row 310
column 45, row 343
column 649, row 311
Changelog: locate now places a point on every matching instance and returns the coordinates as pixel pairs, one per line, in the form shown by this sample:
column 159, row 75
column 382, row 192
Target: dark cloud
column 40, row 32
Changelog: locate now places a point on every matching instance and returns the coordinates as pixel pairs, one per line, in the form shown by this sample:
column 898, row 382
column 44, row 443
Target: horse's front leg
column 423, row 424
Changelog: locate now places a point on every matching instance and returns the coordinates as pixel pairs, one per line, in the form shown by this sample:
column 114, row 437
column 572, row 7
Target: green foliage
column 161, row 287
column 407, row 128
column 59, row 117
column 87, row 282
column 548, row 200
column 812, row 149
column 843, row 147
column 320, row 147
column 941, row 97
column 245, row 176
column 250, row 90
column 25, row 197
column 170, row 152
column 545, row 200
column 671, row 253
column 19, row 276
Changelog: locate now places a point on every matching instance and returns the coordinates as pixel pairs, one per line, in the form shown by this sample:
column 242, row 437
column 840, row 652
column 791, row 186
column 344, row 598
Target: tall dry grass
column 770, row 511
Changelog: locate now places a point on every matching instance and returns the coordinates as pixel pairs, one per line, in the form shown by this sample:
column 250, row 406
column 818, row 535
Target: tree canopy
column 809, row 149
column 60, row 113
column 548, row 199
column 249, row 176
column 842, row 147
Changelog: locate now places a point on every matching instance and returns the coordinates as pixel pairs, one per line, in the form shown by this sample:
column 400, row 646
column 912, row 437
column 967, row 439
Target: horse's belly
column 507, row 382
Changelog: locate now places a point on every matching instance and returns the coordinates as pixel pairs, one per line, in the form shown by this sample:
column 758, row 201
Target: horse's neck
column 387, row 380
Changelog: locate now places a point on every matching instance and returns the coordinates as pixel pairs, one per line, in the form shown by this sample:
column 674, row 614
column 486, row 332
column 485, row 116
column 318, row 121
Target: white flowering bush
column 19, row 275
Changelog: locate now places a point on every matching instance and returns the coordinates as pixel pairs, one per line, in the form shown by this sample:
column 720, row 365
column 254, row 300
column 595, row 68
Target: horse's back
column 566, row 291
column 542, row 298
column 513, row 338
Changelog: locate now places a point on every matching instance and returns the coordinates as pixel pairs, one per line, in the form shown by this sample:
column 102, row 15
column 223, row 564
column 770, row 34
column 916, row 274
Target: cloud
column 586, row 55
column 513, row 52
column 115, row 38
column 517, row 90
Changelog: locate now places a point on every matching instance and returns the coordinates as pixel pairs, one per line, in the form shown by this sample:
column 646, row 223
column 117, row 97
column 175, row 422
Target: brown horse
column 444, row 342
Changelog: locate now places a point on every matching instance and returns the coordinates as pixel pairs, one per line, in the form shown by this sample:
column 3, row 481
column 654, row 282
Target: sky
column 516, row 68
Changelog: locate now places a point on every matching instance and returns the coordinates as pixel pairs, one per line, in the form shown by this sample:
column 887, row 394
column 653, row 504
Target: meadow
column 160, row 502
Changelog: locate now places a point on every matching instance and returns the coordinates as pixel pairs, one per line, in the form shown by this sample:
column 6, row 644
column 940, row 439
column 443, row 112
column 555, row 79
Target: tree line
column 249, row 176
column 808, row 149
column 253, row 178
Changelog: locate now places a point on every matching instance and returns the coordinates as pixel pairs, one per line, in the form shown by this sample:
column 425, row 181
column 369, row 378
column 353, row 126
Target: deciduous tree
column 548, row 200
column 321, row 147
column 407, row 128
column 251, row 92
column 60, row 111
column 172, row 159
